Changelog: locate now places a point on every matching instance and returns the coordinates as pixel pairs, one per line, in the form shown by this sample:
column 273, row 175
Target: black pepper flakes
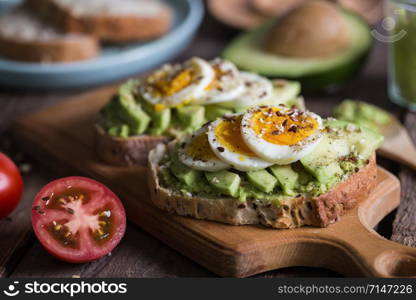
column 293, row 129
column 70, row 211
column 221, row 149
column 354, row 159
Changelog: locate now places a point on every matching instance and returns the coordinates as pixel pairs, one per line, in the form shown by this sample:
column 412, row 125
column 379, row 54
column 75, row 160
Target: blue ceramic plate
column 114, row 63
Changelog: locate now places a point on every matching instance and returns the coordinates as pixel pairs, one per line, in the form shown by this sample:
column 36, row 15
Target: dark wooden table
column 140, row 255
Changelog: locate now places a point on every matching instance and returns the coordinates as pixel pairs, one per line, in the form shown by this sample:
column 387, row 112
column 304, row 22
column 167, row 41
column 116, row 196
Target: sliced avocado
column 133, row 115
column 285, row 92
column 121, row 130
column 322, row 163
column 185, row 174
column 192, row 117
column 128, row 89
column 247, row 52
column 213, row 112
column 262, row 180
column 240, row 110
column 361, row 139
column 110, row 113
column 124, row 131
column 160, row 121
column 363, row 114
column 224, row 182
column 341, row 139
column 287, row 178
column 346, row 111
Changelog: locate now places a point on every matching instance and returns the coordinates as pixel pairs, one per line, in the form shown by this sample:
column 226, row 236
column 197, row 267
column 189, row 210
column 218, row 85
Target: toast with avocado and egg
column 108, row 20
column 273, row 165
column 179, row 99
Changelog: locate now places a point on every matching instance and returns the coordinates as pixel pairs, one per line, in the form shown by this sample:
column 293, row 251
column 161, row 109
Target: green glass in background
column 401, row 21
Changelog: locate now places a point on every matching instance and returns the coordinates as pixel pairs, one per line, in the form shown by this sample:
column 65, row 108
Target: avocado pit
column 313, row 30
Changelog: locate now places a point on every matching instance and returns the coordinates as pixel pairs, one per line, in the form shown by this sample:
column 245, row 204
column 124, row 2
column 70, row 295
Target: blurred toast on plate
column 112, row 21
column 24, row 37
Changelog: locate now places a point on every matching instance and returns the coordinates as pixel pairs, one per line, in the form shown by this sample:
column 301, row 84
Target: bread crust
column 292, row 213
column 132, row 151
column 58, row 50
column 118, row 29
column 24, row 37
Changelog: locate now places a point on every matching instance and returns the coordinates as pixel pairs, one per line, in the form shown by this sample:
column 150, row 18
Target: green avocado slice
column 314, row 74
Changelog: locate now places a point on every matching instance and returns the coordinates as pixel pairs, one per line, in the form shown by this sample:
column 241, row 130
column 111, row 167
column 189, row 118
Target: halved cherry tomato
column 11, row 186
column 78, row 219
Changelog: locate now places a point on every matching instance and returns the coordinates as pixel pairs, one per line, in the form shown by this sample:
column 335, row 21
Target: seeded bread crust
column 107, row 27
column 49, row 47
column 133, row 151
column 293, row 213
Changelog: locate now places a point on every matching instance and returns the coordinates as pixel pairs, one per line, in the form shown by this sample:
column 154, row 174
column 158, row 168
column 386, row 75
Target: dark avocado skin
column 330, row 80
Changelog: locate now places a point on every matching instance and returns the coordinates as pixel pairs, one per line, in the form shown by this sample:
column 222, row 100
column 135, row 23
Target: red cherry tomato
column 78, row 219
column 11, row 186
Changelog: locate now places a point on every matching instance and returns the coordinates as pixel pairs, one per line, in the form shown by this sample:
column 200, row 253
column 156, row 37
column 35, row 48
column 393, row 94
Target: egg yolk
column 165, row 85
column 218, row 74
column 228, row 134
column 283, row 127
column 199, row 148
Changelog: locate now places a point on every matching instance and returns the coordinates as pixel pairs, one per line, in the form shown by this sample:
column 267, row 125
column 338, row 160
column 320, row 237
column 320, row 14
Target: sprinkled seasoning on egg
column 283, row 127
column 196, row 153
column 178, row 84
column 280, row 134
column 224, row 136
column 199, row 148
column 226, row 85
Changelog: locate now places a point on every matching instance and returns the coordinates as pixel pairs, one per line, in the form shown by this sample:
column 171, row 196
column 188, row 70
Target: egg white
column 258, row 91
column 210, row 165
column 279, row 154
column 238, row 161
column 203, row 75
column 227, row 86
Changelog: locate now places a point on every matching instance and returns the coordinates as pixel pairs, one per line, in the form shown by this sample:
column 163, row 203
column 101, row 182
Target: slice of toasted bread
column 292, row 213
column 109, row 20
column 132, row 151
column 24, row 37
column 274, row 8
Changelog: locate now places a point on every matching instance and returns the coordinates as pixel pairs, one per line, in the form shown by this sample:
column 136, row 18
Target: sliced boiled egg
column 258, row 90
column 224, row 136
column 174, row 85
column 196, row 153
column 226, row 85
column 279, row 134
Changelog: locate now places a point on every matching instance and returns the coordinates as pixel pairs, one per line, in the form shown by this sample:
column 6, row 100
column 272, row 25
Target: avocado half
column 316, row 74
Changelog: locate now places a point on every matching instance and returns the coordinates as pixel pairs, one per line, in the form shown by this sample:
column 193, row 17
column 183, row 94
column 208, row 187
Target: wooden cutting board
column 62, row 138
